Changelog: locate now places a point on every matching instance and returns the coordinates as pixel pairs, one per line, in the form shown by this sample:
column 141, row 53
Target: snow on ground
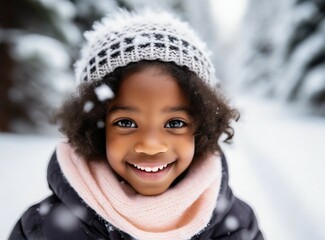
column 23, row 163
column 275, row 165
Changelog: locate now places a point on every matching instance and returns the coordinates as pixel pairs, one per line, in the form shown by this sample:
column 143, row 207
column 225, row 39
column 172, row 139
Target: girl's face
column 149, row 132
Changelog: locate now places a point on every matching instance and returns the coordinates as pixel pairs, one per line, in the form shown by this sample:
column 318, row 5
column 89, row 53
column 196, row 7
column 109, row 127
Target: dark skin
column 149, row 132
column 211, row 115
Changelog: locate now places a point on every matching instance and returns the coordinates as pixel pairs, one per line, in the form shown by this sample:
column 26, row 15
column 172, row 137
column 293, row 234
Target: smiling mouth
column 152, row 173
column 150, row 169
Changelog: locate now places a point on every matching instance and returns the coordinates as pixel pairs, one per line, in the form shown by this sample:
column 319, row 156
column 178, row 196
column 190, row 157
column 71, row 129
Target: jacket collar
column 67, row 195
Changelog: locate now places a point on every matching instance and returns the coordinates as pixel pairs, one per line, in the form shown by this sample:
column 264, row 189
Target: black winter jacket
column 64, row 216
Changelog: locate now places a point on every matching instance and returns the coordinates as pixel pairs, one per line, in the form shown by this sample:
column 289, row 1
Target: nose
column 150, row 144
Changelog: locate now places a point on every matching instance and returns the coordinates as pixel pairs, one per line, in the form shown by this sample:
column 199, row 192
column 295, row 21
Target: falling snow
column 222, row 205
column 44, row 208
column 88, row 106
column 231, row 223
column 64, row 219
column 100, row 124
column 110, row 228
column 103, row 92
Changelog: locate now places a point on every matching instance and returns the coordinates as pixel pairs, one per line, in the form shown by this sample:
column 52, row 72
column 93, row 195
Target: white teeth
column 149, row 169
column 162, row 167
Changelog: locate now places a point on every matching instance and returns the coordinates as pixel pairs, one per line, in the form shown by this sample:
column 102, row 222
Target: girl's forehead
column 150, row 80
column 150, row 86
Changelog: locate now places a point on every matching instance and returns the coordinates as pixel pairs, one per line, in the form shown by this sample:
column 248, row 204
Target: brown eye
column 175, row 124
column 125, row 123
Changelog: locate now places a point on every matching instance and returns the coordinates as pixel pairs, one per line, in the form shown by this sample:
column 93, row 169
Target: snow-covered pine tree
column 304, row 56
column 279, row 52
column 34, row 60
column 39, row 41
column 253, row 53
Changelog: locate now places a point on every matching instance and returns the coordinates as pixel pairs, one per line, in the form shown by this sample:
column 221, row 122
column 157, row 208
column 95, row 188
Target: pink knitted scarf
column 179, row 213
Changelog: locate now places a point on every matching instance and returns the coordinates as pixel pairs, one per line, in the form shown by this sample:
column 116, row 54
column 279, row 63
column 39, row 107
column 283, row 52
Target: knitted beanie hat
column 125, row 37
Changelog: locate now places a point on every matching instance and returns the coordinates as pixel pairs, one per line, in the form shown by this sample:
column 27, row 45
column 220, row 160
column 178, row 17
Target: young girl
column 142, row 158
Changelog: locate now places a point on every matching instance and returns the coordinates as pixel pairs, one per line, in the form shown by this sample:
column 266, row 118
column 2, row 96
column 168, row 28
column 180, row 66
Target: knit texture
column 125, row 37
column 179, row 213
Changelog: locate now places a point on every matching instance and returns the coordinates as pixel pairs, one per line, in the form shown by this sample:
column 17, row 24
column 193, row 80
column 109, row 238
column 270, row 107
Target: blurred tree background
column 278, row 52
column 40, row 41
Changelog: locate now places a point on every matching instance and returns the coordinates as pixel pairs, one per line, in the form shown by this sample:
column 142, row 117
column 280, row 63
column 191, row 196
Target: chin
column 151, row 191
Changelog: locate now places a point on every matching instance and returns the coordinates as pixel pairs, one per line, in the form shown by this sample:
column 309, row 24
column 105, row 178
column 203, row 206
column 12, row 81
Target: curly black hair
column 209, row 109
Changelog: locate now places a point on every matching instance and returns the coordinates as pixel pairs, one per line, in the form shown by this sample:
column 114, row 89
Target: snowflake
column 103, row 93
column 44, row 208
column 231, row 223
column 88, row 106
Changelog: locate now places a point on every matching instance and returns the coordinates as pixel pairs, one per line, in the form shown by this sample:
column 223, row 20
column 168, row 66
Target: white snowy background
column 276, row 162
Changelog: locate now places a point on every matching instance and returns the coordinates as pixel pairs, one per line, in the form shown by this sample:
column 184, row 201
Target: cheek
column 186, row 148
column 114, row 149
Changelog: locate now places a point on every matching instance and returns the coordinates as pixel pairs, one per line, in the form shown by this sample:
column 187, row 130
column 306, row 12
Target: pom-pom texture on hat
column 125, row 37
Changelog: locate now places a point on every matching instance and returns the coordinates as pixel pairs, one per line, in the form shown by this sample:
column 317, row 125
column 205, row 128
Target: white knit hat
column 125, row 37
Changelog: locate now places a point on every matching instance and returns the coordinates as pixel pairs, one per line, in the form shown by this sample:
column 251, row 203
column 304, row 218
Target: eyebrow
column 176, row 109
column 123, row 108
column 135, row 110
